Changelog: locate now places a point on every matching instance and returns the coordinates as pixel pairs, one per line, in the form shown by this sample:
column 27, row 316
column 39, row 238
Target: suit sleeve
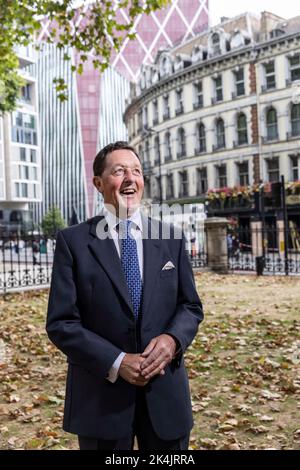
column 64, row 326
column 189, row 312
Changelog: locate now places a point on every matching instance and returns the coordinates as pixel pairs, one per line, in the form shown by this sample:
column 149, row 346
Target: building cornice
column 249, row 54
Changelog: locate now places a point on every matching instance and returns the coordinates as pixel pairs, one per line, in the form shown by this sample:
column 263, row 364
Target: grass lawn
column 244, row 367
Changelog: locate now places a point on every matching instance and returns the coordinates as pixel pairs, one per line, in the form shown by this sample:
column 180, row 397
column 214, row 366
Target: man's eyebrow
column 121, row 165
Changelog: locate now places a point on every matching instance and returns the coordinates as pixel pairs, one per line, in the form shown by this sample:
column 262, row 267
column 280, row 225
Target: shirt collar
column 112, row 220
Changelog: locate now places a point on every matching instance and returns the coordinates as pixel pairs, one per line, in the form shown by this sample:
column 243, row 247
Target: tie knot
column 124, row 228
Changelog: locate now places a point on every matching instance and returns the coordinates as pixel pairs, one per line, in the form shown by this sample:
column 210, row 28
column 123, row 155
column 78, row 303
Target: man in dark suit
column 123, row 307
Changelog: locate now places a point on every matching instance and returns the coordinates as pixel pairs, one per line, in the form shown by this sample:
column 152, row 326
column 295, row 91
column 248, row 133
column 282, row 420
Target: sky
column 285, row 8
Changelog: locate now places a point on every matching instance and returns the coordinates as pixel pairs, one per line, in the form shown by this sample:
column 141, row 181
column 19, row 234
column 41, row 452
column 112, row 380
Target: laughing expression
column 121, row 182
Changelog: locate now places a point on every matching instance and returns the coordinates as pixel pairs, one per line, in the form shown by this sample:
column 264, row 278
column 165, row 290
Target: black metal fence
column 271, row 250
column 25, row 261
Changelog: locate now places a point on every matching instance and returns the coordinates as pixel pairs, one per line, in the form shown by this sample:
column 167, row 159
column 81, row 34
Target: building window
column 242, row 129
column 181, row 143
column 295, row 119
column 26, row 93
column 220, row 133
column 270, row 78
column 294, row 167
column 273, row 169
column 218, row 89
column 295, row 67
column 168, row 150
column 155, row 112
column 170, row 186
column 157, row 196
column 198, row 95
column 22, row 154
column 222, row 176
column 179, row 102
column 33, row 155
column 272, row 131
column 23, row 172
column 156, row 150
column 243, row 173
column 21, row 189
column 34, row 173
column 239, row 82
column 183, row 184
column 147, row 152
column 216, row 44
column 201, row 138
column 140, row 151
column 24, row 128
column 201, row 181
column 140, row 120
column 166, row 111
column 145, row 118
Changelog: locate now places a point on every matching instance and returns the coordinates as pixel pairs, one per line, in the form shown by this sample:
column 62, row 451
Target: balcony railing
column 166, row 114
column 198, row 104
column 181, row 154
column 216, row 147
column 292, row 135
column 268, row 139
column 239, row 143
column 179, row 110
column 200, row 150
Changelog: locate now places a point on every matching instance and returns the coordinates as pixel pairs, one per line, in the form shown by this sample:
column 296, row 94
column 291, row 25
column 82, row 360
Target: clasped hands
column 138, row 369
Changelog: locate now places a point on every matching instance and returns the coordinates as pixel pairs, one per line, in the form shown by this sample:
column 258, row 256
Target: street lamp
column 146, row 132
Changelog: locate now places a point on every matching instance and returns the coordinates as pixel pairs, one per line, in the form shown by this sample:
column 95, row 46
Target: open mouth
column 128, row 192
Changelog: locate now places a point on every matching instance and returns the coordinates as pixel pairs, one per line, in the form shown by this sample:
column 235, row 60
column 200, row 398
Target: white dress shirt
column 136, row 232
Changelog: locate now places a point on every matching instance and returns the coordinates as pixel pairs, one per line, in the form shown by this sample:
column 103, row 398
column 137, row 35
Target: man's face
column 122, row 182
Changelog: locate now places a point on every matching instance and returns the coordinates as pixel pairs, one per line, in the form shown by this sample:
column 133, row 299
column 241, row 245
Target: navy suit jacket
column 90, row 319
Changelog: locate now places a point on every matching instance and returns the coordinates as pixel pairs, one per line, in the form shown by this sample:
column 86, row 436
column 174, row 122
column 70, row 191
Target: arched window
column 272, row 132
column 295, row 119
column 181, row 143
column 215, row 40
column 201, row 138
column 242, row 129
column 220, row 133
column 168, row 150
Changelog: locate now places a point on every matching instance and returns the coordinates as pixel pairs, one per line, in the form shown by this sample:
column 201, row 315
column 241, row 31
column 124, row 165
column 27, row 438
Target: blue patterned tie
column 130, row 265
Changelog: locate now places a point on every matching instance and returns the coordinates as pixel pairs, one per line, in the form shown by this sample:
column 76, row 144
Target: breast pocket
column 168, row 273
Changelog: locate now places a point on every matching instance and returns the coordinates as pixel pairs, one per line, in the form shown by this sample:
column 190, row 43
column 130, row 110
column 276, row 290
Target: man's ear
column 97, row 182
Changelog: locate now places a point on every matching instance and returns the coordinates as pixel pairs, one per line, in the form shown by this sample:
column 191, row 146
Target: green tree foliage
column 52, row 222
column 100, row 33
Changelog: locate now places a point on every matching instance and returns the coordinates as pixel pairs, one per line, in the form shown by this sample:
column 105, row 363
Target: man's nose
column 129, row 176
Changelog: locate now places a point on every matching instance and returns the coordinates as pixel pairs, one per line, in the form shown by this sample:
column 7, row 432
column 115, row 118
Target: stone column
column 280, row 236
column 217, row 250
column 256, row 238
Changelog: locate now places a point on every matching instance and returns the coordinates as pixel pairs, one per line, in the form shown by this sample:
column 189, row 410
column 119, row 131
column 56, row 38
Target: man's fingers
column 156, row 371
column 158, row 364
column 149, row 348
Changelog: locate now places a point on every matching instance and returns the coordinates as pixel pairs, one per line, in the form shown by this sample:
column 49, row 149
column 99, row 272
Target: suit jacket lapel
column 152, row 260
column 105, row 252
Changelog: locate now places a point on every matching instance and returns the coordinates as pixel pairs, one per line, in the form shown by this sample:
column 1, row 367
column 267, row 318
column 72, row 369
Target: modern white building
column 20, row 169
column 221, row 111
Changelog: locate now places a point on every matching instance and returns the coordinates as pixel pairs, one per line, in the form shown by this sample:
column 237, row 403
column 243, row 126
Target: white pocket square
column 168, row 265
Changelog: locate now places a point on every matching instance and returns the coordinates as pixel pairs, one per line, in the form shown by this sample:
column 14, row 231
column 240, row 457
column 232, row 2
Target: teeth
column 128, row 191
